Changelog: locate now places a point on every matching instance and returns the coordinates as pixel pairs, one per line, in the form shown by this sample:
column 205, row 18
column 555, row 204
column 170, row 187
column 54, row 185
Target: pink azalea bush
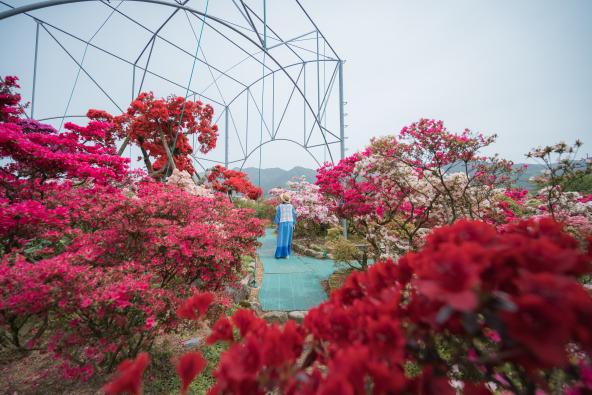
column 94, row 260
column 553, row 197
column 312, row 208
column 183, row 180
column 400, row 187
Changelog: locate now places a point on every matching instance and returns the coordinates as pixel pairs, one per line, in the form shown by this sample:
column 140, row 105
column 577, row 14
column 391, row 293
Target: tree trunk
column 146, row 160
column 168, row 152
column 196, row 178
column 123, row 146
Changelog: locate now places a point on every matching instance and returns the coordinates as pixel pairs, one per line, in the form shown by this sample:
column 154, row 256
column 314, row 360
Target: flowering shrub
column 151, row 249
column 228, row 181
column 93, row 260
column 10, row 108
column 264, row 209
column 312, row 208
column 399, row 188
column 555, row 197
column 468, row 312
column 562, row 170
column 160, row 127
column 80, row 154
column 183, row 180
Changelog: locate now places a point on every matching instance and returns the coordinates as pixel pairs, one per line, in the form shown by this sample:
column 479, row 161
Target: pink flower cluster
column 93, row 261
column 399, row 188
column 309, row 203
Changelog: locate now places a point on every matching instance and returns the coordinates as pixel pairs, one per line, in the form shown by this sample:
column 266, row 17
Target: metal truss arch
column 246, row 40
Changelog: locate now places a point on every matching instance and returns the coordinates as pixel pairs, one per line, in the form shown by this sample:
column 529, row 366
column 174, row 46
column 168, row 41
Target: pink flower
column 493, row 336
column 150, row 322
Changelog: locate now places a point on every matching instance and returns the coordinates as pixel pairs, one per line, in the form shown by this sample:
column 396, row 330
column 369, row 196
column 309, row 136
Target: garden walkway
column 291, row 284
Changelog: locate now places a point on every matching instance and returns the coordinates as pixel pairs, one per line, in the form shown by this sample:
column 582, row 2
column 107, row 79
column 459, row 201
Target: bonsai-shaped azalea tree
column 161, row 128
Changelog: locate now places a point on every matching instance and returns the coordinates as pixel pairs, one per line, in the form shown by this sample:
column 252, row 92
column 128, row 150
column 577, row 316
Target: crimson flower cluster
column 228, row 181
column 161, row 128
column 93, row 262
column 10, row 108
column 475, row 311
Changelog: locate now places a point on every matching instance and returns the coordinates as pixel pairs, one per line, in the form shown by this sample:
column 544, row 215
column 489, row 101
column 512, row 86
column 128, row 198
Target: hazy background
column 520, row 69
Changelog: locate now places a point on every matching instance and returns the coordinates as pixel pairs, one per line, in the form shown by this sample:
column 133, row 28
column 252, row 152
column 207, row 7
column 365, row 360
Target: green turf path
column 291, row 284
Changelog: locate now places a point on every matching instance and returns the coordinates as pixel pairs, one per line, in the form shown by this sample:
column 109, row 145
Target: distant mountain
column 276, row 177
column 531, row 171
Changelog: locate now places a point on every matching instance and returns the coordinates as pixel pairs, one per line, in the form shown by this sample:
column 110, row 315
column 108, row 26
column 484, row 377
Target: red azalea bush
column 93, row 262
column 10, row 108
column 139, row 255
column 160, row 127
column 475, row 311
column 228, row 181
column 182, row 238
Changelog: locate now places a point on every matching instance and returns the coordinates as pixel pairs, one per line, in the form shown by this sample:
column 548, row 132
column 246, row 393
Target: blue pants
column 284, row 240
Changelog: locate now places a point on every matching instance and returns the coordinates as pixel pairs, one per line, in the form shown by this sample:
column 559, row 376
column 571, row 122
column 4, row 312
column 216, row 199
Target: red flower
column 450, row 274
column 222, row 331
column 463, row 231
column 129, row 376
column 246, row 321
column 188, row 367
column 386, row 379
column 475, row 389
column 430, row 384
column 228, row 181
column 336, row 385
column 535, row 323
column 196, row 306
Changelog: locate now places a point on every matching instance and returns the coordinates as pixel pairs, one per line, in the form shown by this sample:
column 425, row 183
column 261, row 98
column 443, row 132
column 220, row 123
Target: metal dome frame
column 256, row 46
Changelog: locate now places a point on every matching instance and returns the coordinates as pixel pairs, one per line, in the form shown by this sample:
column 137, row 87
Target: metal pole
column 226, row 134
column 247, row 126
column 273, row 105
column 35, row 72
column 304, row 103
column 318, row 81
column 342, row 130
column 341, row 112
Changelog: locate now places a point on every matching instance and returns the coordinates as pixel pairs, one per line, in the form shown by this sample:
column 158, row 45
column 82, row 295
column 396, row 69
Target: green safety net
column 294, row 283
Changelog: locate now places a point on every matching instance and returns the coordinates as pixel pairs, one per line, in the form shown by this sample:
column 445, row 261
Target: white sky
column 521, row 69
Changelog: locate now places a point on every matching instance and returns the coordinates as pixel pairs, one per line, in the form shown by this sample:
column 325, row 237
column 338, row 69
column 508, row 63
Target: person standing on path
column 285, row 219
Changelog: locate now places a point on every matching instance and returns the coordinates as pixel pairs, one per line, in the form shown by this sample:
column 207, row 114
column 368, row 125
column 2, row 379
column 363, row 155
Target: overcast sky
column 519, row 68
